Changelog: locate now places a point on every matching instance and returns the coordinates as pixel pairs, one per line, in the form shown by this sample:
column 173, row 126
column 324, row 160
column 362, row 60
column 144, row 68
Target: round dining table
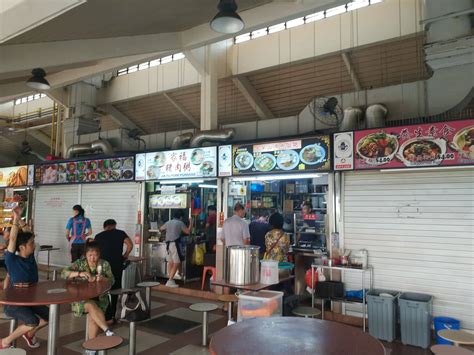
column 293, row 335
column 53, row 294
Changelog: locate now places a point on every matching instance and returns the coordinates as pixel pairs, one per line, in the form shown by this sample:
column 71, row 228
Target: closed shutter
column 117, row 201
column 418, row 230
column 52, row 209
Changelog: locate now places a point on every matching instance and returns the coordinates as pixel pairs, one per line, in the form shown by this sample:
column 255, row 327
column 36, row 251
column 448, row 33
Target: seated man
column 23, row 271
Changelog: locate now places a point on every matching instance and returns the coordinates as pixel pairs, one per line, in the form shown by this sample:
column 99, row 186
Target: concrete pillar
column 209, row 89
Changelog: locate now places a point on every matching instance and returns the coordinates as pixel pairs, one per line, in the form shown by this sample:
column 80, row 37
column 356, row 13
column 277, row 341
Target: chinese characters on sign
column 185, row 163
column 425, row 145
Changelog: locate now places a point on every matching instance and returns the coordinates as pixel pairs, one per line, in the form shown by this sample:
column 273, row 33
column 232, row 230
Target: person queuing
column 235, row 229
column 111, row 243
column 258, row 229
column 78, row 228
column 173, row 229
column 23, row 272
column 91, row 268
column 277, row 241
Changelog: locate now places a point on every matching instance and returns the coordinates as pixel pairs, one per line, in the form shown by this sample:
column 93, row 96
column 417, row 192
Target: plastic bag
column 198, row 254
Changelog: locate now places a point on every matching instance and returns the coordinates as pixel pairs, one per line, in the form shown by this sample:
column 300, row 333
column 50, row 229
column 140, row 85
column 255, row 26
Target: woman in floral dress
column 277, row 242
column 91, row 268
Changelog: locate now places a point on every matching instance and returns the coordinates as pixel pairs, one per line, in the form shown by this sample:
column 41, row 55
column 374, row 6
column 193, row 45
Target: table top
column 148, row 284
column 252, row 287
column 203, row 307
column 457, row 336
column 53, row 292
column 306, row 311
column 48, row 248
column 102, row 343
column 449, row 350
column 293, row 335
column 228, row 298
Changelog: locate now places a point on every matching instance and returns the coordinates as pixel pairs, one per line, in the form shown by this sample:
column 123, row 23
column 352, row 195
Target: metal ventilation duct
column 375, row 115
column 352, row 117
column 92, row 147
column 216, row 136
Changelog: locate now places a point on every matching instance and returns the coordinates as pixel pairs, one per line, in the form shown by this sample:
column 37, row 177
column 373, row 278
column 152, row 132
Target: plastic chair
column 205, row 270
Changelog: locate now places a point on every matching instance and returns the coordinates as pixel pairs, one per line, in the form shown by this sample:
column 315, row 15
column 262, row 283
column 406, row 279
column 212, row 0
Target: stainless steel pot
column 242, row 264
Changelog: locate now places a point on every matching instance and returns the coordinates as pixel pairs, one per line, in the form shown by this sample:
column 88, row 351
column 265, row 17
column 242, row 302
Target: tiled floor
column 151, row 342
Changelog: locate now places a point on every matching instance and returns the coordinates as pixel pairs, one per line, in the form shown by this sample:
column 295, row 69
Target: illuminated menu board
column 296, row 155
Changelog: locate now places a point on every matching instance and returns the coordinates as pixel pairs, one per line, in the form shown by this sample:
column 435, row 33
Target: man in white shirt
column 235, row 229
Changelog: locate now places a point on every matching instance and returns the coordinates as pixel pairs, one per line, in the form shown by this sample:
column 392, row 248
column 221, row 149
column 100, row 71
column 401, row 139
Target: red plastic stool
column 212, row 269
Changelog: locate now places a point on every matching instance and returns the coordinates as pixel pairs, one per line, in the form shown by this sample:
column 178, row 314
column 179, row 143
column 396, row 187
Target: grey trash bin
column 415, row 318
column 382, row 311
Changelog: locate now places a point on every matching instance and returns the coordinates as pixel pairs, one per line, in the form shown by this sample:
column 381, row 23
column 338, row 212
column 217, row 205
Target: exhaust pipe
column 216, row 136
column 182, row 140
column 375, row 115
column 352, row 117
column 100, row 144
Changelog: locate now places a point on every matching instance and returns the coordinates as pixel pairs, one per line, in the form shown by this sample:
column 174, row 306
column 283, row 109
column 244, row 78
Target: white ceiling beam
column 120, row 118
column 247, row 89
column 350, row 69
column 67, row 77
column 20, row 58
column 182, row 110
column 59, row 95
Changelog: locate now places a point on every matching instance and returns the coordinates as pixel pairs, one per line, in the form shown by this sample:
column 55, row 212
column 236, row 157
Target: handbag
column 131, row 307
column 266, row 256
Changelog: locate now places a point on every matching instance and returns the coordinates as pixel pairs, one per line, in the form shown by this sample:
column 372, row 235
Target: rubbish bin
column 441, row 323
column 415, row 318
column 382, row 311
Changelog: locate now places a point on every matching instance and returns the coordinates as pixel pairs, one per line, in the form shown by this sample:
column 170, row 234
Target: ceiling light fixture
column 37, row 81
column 227, row 20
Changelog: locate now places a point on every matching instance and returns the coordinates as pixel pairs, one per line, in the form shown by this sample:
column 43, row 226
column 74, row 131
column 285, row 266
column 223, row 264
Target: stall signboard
column 225, row 160
column 297, row 155
column 169, row 201
column 178, row 164
column 427, row 145
column 344, row 151
column 14, row 176
column 86, row 171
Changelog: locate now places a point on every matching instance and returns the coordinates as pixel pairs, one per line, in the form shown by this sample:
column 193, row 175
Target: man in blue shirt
column 78, row 228
column 23, row 271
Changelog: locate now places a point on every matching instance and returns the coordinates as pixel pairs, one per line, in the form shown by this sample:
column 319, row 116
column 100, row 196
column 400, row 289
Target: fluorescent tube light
column 183, row 181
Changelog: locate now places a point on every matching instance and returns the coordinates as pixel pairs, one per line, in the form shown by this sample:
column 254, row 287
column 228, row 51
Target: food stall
column 15, row 189
column 178, row 179
column 280, row 176
column 406, row 198
column 105, row 188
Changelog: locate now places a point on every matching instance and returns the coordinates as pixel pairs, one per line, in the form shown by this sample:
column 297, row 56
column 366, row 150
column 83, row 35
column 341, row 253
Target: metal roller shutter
column 118, row 201
column 418, row 228
column 52, row 209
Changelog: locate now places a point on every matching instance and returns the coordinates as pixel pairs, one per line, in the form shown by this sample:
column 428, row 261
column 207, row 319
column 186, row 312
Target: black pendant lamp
column 37, row 81
column 227, row 20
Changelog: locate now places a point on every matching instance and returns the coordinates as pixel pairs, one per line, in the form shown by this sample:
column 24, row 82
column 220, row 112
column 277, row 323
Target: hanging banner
column 15, row 176
column 178, row 164
column 427, row 145
column 86, row 171
column 296, row 155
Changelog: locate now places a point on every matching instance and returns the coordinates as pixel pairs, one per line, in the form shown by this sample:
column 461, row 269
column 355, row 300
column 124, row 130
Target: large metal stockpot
column 242, row 264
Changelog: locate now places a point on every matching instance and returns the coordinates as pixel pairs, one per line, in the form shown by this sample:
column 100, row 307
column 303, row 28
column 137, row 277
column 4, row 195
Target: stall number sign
column 175, row 164
column 305, row 155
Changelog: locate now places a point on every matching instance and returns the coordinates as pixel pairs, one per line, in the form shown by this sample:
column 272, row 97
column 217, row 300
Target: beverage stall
column 179, row 179
column 283, row 176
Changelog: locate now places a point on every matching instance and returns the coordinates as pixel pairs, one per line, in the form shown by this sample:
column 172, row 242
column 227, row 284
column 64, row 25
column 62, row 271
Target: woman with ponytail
column 77, row 230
